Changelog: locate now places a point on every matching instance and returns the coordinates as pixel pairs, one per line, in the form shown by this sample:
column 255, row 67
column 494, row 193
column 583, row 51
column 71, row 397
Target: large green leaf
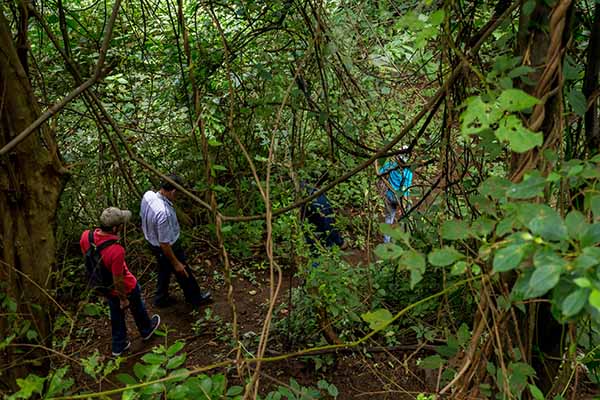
column 415, row 262
column 153, row 358
column 388, row 251
column 548, row 224
column 478, row 115
column 444, row 256
column 577, row 101
column 591, row 235
column 432, row 362
column 175, row 348
column 575, row 223
column 516, row 100
column 548, row 268
column 175, row 362
column 594, row 299
column 509, row 257
column 520, row 139
column 574, row 302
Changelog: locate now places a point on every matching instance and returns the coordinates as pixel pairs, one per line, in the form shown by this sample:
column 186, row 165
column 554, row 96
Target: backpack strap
column 91, row 238
column 103, row 245
column 106, row 244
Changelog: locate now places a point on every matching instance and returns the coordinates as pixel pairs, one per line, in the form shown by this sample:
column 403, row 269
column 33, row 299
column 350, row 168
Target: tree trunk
column 541, row 42
column 542, row 38
column 30, row 185
column 590, row 86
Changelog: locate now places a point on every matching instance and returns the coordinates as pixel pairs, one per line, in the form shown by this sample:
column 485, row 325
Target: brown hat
column 112, row 216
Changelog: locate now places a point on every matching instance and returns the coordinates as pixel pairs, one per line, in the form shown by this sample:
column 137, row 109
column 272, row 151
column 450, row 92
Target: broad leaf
column 548, row 224
column 388, row 251
column 519, row 138
column 415, row 262
column 591, row 235
column 514, row 100
column 432, row 362
column 594, row 299
column 574, row 302
column 575, row 223
column 175, row 348
column 175, row 362
column 377, row 319
column 153, row 358
column 445, row 256
column 548, row 268
column 509, row 257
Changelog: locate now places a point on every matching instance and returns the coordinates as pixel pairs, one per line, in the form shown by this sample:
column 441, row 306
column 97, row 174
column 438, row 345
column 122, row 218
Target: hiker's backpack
column 99, row 277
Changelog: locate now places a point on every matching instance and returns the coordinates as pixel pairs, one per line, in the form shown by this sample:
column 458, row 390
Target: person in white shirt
column 161, row 230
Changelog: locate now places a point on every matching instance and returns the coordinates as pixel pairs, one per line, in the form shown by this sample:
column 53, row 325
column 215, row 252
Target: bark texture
column 30, row 185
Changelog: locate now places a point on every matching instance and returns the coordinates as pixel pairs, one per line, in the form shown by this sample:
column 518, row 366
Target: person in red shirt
column 126, row 291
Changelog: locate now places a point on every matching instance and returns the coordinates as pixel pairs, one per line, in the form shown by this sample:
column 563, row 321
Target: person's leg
column 117, row 321
column 189, row 285
column 139, row 312
column 390, row 213
column 161, row 296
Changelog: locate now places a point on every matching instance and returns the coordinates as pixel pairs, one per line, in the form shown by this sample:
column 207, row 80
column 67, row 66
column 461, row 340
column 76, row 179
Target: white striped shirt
column 159, row 220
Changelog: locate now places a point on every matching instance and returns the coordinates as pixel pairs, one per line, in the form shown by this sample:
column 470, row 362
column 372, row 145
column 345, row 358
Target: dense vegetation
column 492, row 281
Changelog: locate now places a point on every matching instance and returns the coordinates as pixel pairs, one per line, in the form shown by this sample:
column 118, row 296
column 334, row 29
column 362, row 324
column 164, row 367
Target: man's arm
column 178, row 265
column 117, row 269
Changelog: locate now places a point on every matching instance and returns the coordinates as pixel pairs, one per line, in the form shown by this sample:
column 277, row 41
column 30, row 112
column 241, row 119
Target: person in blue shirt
column 397, row 177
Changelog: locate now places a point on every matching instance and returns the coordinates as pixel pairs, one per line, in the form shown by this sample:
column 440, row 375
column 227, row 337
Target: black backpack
column 98, row 276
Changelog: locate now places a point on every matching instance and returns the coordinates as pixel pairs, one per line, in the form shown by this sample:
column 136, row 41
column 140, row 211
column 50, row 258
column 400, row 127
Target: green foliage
column 490, row 113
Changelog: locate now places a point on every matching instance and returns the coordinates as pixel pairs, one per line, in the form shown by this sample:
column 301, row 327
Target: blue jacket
column 320, row 214
column 400, row 179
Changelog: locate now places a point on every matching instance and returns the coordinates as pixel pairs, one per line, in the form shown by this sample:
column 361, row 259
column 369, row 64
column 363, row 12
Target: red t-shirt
column 113, row 257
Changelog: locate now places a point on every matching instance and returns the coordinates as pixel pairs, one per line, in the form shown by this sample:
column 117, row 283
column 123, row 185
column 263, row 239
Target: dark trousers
column 117, row 318
column 191, row 290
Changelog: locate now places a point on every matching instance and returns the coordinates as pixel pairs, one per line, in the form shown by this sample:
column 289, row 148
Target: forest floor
column 380, row 373
column 389, row 374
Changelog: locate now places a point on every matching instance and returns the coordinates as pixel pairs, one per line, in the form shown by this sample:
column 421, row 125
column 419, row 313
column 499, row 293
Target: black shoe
column 203, row 298
column 206, row 297
column 165, row 302
column 118, row 353
column 155, row 324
